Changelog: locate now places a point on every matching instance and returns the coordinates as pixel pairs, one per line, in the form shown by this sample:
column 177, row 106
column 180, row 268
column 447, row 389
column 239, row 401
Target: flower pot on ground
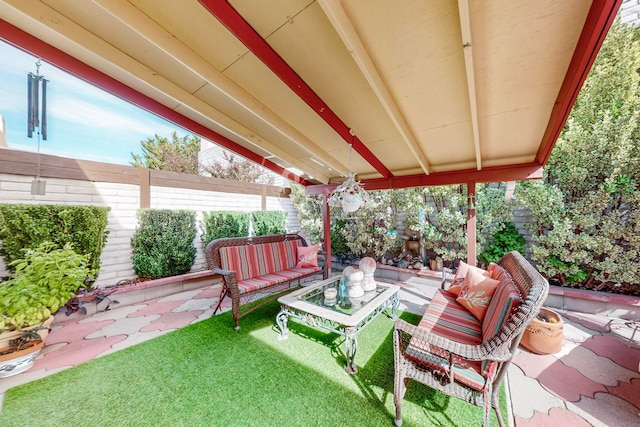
column 44, row 280
column 544, row 333
column 17, row 358
column 41, row 329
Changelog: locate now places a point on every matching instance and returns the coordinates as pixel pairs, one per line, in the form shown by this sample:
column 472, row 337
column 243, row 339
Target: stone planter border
column 140, row 292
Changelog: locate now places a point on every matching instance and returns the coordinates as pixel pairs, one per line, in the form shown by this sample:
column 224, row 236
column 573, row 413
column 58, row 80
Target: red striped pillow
column 504, row 302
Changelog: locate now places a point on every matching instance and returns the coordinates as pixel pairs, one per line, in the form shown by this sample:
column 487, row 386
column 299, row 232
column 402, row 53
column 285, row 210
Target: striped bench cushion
column 259, row 282
column 251, row 261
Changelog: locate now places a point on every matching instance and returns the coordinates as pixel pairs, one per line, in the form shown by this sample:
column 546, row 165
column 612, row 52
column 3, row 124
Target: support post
column 326, row 221
column 471, row 224
column 145, row 188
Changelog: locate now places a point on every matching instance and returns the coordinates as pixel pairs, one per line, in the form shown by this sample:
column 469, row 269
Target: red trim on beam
column 240, row 28
column 494, row 174
column 71, row 65
column 600, row 18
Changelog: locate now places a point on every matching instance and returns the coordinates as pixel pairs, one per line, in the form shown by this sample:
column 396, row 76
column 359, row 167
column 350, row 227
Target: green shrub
column 338, row 242
column 219, row 224
column 266, row 223
column 163, row 243
column 83, row 228
column 506, row 240
column 45, row 279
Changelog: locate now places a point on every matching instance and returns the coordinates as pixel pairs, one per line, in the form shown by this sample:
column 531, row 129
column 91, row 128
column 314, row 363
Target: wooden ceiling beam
column 343, row 26
column 467, row 47
column 490, row 174
column 144, row 26
column 244, row 32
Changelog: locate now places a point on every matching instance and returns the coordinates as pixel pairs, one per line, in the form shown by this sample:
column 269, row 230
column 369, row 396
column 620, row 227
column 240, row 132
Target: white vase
column 368, row 267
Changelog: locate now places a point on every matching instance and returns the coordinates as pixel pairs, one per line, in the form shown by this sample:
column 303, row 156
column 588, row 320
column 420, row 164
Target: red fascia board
column 240, row 28
column 73, row 66
column 600, row 18
column 494, row 174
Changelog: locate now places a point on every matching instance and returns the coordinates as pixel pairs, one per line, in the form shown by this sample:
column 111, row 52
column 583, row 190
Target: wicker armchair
column 439, row 365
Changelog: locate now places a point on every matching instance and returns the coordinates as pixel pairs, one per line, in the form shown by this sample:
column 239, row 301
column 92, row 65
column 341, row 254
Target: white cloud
column 83, row 120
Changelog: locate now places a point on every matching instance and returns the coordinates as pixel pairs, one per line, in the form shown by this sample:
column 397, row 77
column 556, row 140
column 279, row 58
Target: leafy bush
column 506, row 240
column 163, row 243
column 586, row 211
column 266, row 223
column 219, row 224
column 83, row 228
column 440, row 214
column 45, row 279
column 365, row 231
column 338, row 242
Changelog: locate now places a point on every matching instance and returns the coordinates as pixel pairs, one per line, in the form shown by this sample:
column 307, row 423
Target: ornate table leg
column 396, row 304
column 351, row 347
column 281, row 320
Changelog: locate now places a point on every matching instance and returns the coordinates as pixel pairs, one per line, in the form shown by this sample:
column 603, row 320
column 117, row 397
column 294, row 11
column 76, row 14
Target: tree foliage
column 238, row 169
column 174, row 155
column 586, row 212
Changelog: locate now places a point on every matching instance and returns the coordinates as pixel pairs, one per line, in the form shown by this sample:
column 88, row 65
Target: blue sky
column 83, row 122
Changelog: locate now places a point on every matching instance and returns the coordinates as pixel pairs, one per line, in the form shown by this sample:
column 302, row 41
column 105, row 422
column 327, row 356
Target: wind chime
column 37, row 119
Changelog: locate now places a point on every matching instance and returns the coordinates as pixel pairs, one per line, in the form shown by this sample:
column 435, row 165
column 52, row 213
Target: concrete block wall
column 630, row 12
column 124, row 201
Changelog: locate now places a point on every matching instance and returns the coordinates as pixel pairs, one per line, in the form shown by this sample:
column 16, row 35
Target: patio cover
column 425, row 91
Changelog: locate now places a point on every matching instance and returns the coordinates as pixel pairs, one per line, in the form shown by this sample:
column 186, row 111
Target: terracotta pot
column 16, row 362
column 544, row 333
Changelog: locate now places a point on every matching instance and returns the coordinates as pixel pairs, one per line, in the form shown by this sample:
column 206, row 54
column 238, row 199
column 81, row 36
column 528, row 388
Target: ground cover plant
column 209, row 374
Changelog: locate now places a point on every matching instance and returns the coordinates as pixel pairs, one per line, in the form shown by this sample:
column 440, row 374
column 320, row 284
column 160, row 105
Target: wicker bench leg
column 223, row 294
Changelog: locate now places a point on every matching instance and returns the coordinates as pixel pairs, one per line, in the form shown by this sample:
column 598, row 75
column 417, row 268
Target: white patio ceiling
column 426, row 91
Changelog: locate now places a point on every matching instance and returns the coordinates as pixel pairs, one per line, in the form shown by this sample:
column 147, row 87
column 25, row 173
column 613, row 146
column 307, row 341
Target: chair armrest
column 405, row 331
column 216, row 270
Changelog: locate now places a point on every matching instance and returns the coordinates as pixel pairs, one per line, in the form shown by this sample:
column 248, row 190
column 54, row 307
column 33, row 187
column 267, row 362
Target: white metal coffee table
column 345, row 316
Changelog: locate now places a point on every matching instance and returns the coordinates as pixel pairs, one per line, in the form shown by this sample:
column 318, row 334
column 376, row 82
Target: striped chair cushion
column 506, row 299
column 287, row 253
column 259, row 282
column 447, row 318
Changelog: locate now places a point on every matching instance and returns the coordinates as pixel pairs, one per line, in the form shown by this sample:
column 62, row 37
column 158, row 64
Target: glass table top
column 341, row 304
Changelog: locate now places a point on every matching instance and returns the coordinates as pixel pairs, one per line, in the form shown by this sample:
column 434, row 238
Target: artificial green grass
column 209, row 374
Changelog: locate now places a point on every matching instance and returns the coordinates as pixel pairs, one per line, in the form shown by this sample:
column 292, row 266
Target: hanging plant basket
column 544, row 333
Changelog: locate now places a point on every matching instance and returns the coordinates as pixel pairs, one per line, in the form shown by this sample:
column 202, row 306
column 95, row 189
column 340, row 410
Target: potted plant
column 44, row 280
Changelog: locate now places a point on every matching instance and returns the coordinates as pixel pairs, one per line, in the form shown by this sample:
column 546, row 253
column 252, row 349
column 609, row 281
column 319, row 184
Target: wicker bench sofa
column 464, row 353
column 256, row 268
